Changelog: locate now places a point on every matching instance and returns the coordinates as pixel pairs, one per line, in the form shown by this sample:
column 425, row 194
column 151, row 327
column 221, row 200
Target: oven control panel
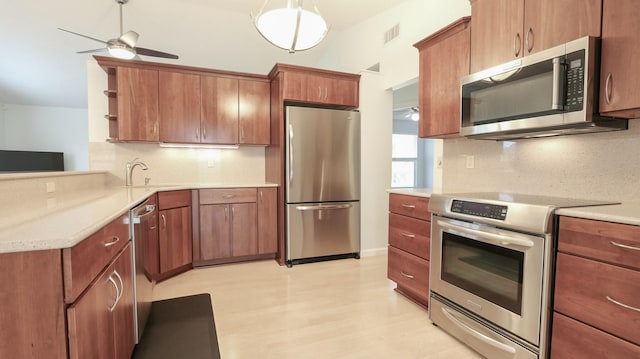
column 477, row 209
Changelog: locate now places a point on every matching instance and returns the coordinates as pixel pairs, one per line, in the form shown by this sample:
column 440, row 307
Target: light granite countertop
column 418, row 192
column 626, row 213
column 64, row 221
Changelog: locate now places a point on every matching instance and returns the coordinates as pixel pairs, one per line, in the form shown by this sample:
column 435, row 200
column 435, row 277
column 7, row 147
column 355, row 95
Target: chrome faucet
column 129, row 170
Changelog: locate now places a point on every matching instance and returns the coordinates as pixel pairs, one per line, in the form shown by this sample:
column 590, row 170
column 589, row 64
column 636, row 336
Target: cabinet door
column 244, row 229
column 442, row 65
column 219, row 110
column 175, row 238
column 548, row 23
column 254, row 112
column 497, row 35
column 137, row 104
column 215, row 235
column 90, row 322
column 124, row 335
column 267, row 220
column 620, row 58
column 179, row 103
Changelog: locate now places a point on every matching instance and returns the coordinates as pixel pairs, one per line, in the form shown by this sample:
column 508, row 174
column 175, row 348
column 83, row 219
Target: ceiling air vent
column 392, row 33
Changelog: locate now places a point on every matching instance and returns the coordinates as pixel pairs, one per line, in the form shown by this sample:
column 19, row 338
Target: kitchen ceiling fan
column 123, row 47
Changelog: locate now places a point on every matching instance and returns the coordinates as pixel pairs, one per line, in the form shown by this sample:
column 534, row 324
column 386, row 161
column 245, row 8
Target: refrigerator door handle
column 323, row 207
column 290, row 155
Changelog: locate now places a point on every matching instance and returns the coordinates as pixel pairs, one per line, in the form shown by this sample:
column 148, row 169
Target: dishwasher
column 143, row 226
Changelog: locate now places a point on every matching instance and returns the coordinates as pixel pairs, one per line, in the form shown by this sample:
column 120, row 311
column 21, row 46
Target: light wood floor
column 338, row 309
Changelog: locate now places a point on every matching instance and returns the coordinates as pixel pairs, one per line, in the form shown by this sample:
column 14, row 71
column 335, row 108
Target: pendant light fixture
column 292, row 28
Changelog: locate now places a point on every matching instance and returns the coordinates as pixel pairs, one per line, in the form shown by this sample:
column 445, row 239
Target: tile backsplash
column 178, row 165
column 592, row 166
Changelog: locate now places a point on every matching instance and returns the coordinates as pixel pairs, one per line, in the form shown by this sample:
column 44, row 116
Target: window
column 404, row 153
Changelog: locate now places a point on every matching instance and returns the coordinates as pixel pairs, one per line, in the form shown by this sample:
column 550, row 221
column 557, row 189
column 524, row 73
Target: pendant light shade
column 293, row 27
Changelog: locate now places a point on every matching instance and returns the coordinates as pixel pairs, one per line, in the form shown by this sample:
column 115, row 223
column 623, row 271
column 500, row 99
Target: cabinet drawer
column 174, row 199
column 410, row 234
column 409, row 272
column 586, row 300
column 572, row 339
column 412, row 206
column 227, row 195
column 610, row 242
column 84, row 261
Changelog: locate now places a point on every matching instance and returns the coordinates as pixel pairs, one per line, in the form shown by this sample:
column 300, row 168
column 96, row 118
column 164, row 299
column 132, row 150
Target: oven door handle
column 505, row 348
column 491, row 237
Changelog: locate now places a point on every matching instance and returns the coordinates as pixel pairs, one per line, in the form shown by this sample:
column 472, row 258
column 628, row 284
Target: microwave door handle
column 557, row 101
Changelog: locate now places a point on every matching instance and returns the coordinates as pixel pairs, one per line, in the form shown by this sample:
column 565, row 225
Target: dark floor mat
column 180, row 328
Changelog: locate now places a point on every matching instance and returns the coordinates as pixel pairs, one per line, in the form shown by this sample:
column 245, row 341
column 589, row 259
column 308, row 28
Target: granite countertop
column 418, row 192
column 64, row 221
column 625, row 213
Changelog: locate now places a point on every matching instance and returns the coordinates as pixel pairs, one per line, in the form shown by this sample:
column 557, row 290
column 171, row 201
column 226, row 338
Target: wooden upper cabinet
column 503, row 30
column 497, row 32
column 137, row 105
column 619, row 90
column 444, row 60
column 315, row 86
column 219, row 122
column 548, row 23
column 179, row 107
column 254, row 112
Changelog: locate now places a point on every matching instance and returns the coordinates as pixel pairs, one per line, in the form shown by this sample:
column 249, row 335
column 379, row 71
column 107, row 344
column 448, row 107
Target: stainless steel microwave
column 552, row 92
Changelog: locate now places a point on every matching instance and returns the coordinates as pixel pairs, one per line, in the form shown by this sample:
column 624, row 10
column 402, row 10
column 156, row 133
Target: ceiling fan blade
column 149, row 52
column 85, row 36
column 102, row 49
column 130, row 38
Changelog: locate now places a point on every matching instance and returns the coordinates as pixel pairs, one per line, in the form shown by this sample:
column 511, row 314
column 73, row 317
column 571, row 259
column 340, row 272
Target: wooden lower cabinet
column 175, row 251
column 598, row 317
column 235, row 224
column 409, row 246
column 100, row 322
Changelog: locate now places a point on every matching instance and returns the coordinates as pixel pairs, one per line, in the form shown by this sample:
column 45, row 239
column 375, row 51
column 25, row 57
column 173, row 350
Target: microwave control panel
column 477, row 209
column 575, row 81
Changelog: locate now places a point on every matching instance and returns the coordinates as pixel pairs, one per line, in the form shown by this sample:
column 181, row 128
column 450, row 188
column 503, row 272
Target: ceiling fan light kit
column 123, row 47
column 292, row 28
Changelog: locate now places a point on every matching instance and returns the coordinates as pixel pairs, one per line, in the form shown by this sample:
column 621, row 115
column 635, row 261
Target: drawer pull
column 622, row 304
column 115, row 239
column 408, row 235
column 624, row 246
column 115, row 301
column 407, row 275
column 408, row 206
column 227, row 196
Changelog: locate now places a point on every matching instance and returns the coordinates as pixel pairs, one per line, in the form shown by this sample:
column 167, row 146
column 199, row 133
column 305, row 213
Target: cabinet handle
column 227, row 196
column 233, row 213
column 407, row 275
column 408, row 206
column 624, row 246
column 326, row 92
column 197, row 133
column 155, row 128
column 408, row 235
column 164, row 221
column 529, row 44
column 226, row 214
column 260, row 195
column 622, row 304
column 517, row 42
column 319, row 92
column 204, row 132
column 607, row 89
column 114, row 240
column 121, row 285
column 115, row 302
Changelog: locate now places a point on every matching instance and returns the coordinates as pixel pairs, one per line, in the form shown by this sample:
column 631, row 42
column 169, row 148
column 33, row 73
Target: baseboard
column 373, row 252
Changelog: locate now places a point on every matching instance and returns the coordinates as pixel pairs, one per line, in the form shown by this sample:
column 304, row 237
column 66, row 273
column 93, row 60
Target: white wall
column 41, row 128
column 376, row 125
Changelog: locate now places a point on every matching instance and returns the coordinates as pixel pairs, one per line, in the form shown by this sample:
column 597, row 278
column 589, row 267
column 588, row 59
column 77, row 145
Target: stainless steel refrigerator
column 322, row 184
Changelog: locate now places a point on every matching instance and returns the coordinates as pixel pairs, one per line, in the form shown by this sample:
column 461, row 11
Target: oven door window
column 488, row 271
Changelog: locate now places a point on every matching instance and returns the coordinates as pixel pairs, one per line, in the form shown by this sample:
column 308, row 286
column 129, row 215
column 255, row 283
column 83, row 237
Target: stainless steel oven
column 491, row 270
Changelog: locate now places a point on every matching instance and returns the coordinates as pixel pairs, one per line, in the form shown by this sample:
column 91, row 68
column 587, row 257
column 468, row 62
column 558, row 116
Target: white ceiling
column 39, row 66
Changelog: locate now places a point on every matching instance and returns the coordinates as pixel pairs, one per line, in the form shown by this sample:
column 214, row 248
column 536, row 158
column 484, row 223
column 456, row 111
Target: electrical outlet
column 50, row 187
column 471, row 161
column 211, row 163
column 439, row 162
